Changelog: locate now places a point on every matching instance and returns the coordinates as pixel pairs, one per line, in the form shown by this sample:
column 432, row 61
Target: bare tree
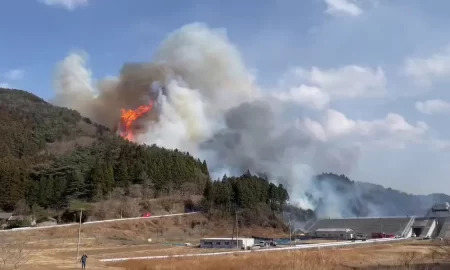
column 166, row 204
column 187, row 189
column 101, row 210
column 441, row 251
column 408, row 257
column 135, row 191
column 117, row 193
column 129, row 207
column 147, row 189
column 21, row 208
column 14, row 255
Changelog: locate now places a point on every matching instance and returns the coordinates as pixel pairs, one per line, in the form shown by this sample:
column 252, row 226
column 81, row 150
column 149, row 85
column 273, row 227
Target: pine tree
column 95, row 182
column 108, row 178
column 122, row 178
column 75, row 187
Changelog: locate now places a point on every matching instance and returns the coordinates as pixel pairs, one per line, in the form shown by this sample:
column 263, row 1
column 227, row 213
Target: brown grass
column 56, row 248
column 269, row 261
column 396, row 256
column 176, row 229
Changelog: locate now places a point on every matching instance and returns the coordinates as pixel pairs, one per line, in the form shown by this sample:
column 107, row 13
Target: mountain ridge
column 357, row 198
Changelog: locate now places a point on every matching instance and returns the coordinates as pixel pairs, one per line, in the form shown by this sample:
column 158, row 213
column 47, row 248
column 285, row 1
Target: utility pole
column 237, row 230
column 290, row 230
column 345, row 229
column 381, row 227
column 79, row 235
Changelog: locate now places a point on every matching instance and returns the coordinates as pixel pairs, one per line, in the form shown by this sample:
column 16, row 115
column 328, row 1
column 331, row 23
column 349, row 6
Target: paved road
column 95, row 222
column 296, row 247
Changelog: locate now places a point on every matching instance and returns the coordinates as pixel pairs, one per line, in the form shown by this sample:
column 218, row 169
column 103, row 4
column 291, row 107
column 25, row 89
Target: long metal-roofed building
column 435, row 223
column 336, row 233
column 227, row 242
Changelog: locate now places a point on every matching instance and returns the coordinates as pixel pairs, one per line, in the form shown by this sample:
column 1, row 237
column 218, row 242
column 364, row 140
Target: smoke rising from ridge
column 206, row 102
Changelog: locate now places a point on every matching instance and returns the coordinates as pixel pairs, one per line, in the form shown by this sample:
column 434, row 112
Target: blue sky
column 405, row 39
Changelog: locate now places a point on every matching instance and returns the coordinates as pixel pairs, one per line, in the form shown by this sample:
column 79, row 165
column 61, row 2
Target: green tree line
column 52, row 155
column 255, row 199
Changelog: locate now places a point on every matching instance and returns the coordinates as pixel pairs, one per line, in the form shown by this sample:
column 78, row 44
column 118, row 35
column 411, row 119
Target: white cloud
column 307, row 96
column 4, row 85
column 392, row 131
column 424, row 71
column 433, row 106
column 440, row 145
column 345, row 82
column 67, row 4
column 343, row 7
column 14, row 74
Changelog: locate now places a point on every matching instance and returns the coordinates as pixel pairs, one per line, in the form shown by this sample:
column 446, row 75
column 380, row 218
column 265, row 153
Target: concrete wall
column 365, row 225
column 432, row 228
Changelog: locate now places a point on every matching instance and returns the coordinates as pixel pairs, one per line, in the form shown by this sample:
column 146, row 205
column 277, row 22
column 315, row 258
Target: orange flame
column 128, row 117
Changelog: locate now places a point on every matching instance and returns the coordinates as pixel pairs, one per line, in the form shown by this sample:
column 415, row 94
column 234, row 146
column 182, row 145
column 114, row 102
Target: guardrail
column 332, row 245
column 95, row 222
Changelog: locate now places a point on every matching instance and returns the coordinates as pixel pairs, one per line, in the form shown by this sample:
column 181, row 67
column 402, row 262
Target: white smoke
column 207, row 103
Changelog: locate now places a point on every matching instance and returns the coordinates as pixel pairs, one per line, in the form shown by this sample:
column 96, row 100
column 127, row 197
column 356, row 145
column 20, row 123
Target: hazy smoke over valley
column 206, row 101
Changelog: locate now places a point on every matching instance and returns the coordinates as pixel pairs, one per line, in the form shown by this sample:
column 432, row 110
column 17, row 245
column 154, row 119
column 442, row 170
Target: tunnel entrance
column 417, row 231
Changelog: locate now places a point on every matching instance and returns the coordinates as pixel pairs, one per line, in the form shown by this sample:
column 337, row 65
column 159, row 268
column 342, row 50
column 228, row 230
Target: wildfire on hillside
column 129, row 117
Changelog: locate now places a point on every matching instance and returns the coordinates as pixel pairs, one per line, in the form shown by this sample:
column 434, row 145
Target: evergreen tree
column 76, row 187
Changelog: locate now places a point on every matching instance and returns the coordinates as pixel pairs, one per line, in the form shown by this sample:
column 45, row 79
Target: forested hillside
column 256, row 199
column 53, row 157
column 352, row 198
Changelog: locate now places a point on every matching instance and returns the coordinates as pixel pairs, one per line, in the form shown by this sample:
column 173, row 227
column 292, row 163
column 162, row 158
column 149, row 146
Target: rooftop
column 226, row 238
column 4, row 215
column 334, row 230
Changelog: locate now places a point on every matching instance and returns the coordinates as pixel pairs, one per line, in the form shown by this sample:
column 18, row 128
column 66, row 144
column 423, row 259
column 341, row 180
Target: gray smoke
column 207, row 103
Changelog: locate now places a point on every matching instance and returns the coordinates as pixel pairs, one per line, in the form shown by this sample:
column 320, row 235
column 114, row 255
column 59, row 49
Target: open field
column 58, row 255
column 385, row 256
column 56, row 248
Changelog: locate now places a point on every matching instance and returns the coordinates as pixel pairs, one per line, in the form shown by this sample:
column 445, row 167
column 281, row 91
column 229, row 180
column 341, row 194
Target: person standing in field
column 83, row 261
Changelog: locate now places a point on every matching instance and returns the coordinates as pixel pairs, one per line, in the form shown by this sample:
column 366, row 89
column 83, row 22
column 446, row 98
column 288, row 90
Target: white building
column 342, row 233
column 227, row 242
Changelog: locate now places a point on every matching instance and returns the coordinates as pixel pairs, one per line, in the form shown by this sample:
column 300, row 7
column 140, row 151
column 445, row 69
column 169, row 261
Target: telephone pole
column 237, row 230
column 345, row 229
column 79, row 235
column 290, row 230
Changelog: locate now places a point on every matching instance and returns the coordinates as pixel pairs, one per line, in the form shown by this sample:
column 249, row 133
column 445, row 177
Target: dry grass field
column 396, row 256
column 56, row 248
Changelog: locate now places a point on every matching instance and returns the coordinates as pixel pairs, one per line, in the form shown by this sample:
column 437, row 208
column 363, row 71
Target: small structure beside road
column 244, row 243
column 4, row 216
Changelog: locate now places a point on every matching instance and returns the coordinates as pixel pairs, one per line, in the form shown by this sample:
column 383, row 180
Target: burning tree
column 129, row 117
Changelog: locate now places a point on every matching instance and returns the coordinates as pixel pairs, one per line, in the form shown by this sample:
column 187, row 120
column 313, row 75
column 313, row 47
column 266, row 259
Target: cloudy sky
column 373, row 71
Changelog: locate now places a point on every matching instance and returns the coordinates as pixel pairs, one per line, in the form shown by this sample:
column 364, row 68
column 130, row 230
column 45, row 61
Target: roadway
column 95, row 222
column 330, row 245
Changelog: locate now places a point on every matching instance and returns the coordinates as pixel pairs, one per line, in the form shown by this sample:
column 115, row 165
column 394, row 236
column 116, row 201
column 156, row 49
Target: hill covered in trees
column 52, row 157
column 334, row 194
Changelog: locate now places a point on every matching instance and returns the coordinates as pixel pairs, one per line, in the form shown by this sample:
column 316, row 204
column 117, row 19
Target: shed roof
column 334, row 230
column 226, row 239
column 18, row 218
column 5, row 215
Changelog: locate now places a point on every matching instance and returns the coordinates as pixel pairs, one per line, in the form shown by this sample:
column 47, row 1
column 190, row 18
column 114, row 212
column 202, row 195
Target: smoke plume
column 206, row 101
